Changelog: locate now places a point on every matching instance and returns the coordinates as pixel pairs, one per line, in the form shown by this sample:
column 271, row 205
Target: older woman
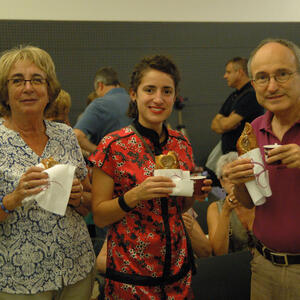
column 42, row 255
column 229, row 223
column 149, row 253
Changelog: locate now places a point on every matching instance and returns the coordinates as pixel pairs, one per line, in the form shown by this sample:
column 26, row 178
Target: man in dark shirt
column 240, row 107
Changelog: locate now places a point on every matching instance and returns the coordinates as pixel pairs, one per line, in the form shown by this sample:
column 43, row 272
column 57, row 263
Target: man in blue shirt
column 106, row 113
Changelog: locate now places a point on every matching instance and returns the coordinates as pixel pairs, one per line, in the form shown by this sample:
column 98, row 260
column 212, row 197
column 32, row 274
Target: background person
column 104, row 114
column 60, row 108
column 240, row 107
column 149, row 254
column 229, row 223
column 90, row 98
column 200, row 243
column 274, row 69
column 43, row 255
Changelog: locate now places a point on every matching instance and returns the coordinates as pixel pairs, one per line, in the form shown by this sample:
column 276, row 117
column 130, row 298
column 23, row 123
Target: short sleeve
column 246, row 106
column 103, row 156
column 222, row 109
column 226, row 107
column 81, row 169
column 92, row 120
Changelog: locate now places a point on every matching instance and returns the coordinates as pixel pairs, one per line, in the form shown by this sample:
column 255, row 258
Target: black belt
column 277, row 258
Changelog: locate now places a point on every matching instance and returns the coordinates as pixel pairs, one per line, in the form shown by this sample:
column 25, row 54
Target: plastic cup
column 198, row 184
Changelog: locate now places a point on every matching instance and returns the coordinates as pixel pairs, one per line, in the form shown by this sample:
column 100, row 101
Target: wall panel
column 200, row 49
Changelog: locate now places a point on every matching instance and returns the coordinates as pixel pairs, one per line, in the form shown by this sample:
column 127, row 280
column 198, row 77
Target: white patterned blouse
column 39, row 250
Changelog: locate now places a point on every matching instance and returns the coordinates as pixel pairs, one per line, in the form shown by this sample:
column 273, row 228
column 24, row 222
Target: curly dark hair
column 155, row 62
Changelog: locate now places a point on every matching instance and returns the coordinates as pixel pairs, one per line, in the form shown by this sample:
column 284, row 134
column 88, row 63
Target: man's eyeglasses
column 280, row 76
column 17, row 82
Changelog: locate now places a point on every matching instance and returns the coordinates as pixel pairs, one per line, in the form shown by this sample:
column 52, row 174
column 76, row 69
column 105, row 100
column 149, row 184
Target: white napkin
column 260, row 187
column 56, row 197
column 184, row 186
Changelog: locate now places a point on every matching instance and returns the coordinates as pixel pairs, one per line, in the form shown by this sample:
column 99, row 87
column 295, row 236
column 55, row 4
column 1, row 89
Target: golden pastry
column 167, row 161
column 49, row 162
column 247, row 141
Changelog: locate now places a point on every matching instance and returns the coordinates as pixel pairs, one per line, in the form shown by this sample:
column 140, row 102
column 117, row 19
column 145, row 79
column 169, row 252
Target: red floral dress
column 149, row 255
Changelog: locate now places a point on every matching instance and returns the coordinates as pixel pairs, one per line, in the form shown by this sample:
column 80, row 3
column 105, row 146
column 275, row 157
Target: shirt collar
column 266, row 123
column 244, row 87
column 152, row 136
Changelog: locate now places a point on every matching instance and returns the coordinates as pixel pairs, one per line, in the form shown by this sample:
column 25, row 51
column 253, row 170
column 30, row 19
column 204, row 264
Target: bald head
column 273, row 56
column 285, row 43
column 275, row 77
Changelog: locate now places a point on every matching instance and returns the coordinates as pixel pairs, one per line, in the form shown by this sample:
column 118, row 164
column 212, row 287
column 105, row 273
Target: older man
column 240, row 107
column 106, row 113
column 274, row 70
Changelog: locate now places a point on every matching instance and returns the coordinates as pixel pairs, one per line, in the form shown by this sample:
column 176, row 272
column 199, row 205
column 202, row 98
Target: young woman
column 149, row 255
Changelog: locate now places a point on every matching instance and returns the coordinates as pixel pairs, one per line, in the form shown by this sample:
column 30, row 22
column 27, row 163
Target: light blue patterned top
column 39, row 250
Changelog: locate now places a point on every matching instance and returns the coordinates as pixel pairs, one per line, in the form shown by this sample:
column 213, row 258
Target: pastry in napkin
column 247, row 141
column 167, row 161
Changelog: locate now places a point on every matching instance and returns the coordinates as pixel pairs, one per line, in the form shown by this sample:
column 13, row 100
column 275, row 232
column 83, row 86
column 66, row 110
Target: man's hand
column 239, row 172
column 84, row 142
column 289, row 155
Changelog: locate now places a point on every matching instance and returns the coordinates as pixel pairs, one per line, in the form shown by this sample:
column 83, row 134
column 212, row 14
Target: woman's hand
column 80, row 197
column 206, row 188
column 32, row 182
column 76, row 193
column 188, row 222
column 151, row 187
column 230, row 202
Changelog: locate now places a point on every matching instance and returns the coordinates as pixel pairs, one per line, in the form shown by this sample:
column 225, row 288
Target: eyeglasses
column 37, row 81
column 280, row 76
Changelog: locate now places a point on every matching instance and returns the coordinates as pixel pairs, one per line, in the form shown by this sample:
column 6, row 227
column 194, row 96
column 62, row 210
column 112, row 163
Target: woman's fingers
column 155, row 186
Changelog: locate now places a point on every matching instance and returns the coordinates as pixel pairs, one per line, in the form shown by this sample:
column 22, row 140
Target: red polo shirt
column 277, row 222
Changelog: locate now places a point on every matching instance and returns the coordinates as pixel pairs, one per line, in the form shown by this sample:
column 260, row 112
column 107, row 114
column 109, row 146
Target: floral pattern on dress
column 39, row 250
column 139, row 243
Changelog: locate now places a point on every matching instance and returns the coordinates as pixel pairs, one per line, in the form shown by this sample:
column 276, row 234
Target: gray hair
column 239, row 63
column 106, row 75
column 292, row 46
column 224, row 160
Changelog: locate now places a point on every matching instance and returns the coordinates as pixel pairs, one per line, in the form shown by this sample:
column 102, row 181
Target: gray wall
column 199, row 49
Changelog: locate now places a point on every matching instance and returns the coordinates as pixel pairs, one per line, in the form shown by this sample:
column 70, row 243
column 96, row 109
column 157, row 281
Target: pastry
column 247, row 141
column 167, row 161
column 49, row 162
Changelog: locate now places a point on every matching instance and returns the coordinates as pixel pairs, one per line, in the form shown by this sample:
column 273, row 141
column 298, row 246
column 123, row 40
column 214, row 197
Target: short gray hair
column 292, row 46
column 224, row 160
column 106, row 75
column 239, row 63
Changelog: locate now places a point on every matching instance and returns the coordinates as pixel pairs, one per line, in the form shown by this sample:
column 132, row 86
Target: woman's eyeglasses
column 36, row 81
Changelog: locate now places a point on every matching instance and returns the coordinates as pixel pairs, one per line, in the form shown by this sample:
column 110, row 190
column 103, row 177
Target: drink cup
column 267, row 148
column 198, row 184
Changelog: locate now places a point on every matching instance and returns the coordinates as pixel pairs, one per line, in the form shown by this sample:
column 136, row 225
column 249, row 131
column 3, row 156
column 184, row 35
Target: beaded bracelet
column 3, row 207
column 124, row 205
